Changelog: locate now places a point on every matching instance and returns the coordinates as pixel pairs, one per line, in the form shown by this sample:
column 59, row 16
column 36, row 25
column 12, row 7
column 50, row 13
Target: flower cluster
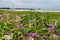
column 35, row 35
column 20, row 26
column 51, row 26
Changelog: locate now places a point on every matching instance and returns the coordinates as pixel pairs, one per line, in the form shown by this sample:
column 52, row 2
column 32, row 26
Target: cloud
column 44, row 4
column 11, row 3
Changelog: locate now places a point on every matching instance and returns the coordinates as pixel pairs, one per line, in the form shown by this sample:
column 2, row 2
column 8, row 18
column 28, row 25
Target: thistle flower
column 35, row 35
column 51, row 26
column 20, row 26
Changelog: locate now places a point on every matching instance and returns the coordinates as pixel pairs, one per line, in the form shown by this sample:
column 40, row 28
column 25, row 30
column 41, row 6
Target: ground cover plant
column 29, row 25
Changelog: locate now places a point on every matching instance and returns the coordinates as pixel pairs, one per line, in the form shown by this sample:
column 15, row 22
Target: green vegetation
column 18, row 24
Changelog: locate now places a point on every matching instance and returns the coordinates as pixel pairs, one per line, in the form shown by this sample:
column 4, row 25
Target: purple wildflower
column 35, row 35
column 51, row 26
column 30, row 34
column 51, row 30
column 20, row 26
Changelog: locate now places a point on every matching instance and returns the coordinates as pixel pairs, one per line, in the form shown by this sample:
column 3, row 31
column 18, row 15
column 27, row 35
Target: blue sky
column 43, row 4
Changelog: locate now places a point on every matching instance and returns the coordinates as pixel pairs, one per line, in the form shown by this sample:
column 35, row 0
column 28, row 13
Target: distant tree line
column 5, row 8
column 26, row 8
column 19, row 8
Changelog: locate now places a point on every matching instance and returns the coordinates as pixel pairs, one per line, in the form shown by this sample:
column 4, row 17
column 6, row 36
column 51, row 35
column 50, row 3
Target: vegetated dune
column 29, row 24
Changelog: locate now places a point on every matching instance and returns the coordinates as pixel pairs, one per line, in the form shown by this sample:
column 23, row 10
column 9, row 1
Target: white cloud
column 30, row 3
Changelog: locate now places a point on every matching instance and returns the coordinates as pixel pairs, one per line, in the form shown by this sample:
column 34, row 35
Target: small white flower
column 7, row 37
column 55, row 36
column 32, row 38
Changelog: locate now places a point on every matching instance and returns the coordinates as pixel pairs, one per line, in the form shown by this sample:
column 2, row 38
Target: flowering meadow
column 29, row 25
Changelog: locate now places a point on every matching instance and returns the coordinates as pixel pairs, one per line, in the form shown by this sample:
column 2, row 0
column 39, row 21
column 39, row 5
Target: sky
column 42, row 4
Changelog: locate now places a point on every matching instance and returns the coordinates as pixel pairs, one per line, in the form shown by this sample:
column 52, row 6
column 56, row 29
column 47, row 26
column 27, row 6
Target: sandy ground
column 34, row 10
column 40, row 10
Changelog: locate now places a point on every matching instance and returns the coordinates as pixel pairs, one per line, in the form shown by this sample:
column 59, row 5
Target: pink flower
column 4, row 15
column 20, row 26
column 51, row 26
column 51, row 30
column 35, row 35
column 30, row 34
